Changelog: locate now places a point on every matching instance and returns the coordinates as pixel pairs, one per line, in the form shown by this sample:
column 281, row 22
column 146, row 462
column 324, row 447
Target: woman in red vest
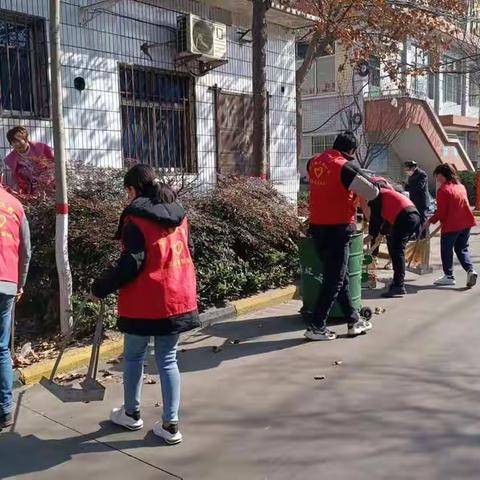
column 156, row 280
column 394, row 213
column 456, row 217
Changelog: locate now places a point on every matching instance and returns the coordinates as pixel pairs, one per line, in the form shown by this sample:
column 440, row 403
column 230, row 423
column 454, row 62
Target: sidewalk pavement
column 399, row 403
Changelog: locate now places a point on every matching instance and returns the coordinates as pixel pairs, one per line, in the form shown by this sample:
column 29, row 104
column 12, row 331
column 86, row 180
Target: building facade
column 129, row 97
column 433, row 120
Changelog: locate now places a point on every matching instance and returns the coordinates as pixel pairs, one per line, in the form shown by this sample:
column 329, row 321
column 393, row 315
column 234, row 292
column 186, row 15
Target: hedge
column 469, row 180
column 244, row 233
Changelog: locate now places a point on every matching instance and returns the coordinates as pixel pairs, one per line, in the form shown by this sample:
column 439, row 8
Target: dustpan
column 90, row 389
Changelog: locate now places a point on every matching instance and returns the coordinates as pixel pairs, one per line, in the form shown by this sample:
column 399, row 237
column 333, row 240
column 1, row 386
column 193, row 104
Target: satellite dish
column 363, row 68
column 202, row 35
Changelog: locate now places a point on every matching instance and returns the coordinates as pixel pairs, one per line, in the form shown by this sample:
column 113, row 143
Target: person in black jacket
column 417, row 187
column 156, row 280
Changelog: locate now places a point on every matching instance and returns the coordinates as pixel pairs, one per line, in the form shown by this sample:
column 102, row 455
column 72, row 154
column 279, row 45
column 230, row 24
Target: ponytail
column 143, row 179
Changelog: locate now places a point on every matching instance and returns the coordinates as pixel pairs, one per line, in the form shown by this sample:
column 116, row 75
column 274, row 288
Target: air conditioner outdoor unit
column 197, row 36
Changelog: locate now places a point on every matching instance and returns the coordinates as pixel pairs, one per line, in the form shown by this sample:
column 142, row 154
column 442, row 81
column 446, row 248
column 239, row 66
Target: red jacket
column 453, row 210
column 12, row 217
column 166, row 286
column 393, row 203
column 331, row 203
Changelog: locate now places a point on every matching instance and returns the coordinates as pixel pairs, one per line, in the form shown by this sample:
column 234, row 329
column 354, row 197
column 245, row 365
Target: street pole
column 61, row 224
column 259, row 85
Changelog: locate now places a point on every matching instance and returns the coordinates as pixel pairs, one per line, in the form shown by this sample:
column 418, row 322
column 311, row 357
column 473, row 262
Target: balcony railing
column 321, row 89
column 396, row 93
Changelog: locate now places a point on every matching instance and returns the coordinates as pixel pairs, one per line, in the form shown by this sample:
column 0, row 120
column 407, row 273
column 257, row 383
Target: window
column 157, row 118
column 23, row 66
column 474, row 91
column 322, row 143
column 421, row 82
column 452, row 82
column 302, row 48
column 375, row 76
column 325, row 75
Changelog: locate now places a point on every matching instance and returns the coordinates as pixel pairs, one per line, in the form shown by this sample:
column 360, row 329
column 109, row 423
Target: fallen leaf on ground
column 337, row 362
column 150, row 381
column 319, row 377
column 158, row 404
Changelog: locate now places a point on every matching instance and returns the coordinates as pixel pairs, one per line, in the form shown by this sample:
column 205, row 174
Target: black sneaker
column 6, row 420
column 394, row 292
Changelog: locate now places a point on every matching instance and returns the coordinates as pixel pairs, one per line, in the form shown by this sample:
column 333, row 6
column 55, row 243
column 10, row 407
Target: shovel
column 90, row 390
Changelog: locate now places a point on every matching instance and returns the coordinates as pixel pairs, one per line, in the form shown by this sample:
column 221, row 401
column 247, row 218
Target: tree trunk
column 61, row 225
column 259, row 84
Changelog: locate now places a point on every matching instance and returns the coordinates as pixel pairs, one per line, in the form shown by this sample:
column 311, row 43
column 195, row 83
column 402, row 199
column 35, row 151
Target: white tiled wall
column 92, row 117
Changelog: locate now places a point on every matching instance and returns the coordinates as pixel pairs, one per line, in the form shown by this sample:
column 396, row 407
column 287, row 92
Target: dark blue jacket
column 417, row 187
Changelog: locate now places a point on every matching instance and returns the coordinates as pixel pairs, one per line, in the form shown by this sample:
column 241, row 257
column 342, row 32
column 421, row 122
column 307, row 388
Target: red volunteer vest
column 11, row 219
column 167, row 285
column 393, row 203
column 330, row 202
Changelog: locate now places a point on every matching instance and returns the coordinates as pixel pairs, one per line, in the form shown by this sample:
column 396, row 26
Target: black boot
column 6, row 420
column 395, row 291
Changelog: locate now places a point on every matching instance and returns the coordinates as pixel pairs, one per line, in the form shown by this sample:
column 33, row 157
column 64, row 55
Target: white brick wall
column 92, row 117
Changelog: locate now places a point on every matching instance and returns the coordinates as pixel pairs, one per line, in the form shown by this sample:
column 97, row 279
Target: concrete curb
column 79, row 357
column 266, row 299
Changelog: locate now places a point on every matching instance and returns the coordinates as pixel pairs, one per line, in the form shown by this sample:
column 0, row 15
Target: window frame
column 452, row 81
column 473, row 98
column 326, row 145
column 190, row 166
column 38, row 64
column 375, row 75
column 424, row 80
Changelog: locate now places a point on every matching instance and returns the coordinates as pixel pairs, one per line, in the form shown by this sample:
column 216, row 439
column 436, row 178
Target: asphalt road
column 401, row 403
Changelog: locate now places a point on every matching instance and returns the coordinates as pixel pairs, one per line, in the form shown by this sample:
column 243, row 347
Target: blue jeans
column 457, row 241
column 135, row 350
column 6, row 372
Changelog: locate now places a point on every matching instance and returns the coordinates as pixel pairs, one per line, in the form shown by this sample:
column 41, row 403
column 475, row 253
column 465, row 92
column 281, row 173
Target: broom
column 426, row 243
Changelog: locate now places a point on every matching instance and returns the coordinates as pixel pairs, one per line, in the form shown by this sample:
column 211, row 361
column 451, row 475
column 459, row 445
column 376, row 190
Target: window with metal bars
column 24, row 89
column 320, row 143
column 158, row 118
column 452, row 81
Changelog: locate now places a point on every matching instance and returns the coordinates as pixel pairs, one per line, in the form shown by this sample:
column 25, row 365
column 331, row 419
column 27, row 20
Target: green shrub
column 469, row 180
column 244, row 233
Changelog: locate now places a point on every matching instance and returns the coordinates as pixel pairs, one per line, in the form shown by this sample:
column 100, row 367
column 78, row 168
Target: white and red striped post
column 61, row 224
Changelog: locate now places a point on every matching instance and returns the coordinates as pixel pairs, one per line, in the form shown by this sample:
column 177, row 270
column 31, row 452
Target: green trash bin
column 312, row 276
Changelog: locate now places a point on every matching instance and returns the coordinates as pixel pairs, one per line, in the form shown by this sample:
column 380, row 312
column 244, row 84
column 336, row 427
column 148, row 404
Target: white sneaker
column 320, row 335
column 445, row 281
column 472, row 279
column 171, row 434
column 358, row 328
column 367, row 324
column 119, row 417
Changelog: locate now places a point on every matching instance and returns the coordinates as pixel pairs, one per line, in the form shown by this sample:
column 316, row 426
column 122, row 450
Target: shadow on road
column 34, row 454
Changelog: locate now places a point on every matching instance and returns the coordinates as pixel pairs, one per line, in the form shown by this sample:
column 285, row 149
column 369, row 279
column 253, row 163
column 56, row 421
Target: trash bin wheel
column 366, row 313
